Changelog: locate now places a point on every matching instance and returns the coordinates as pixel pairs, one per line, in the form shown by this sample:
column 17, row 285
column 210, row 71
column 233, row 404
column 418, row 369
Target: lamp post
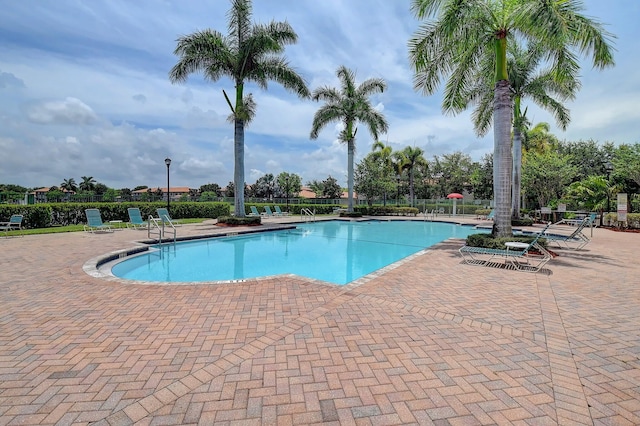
column 167, row 161
column 608, row 167
column 398, row 190
column 286, row 180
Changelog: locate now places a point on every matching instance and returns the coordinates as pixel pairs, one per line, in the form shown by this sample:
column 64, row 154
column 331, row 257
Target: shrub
column 488, row 241
column 523, row 221
column 239, row 221
column 387, row 210
column 351, row 214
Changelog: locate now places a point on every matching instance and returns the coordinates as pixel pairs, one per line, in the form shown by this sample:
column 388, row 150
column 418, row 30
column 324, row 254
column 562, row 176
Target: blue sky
column 84, row 91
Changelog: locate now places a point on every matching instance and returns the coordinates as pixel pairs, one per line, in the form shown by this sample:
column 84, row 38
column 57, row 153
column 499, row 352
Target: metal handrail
column 153, row 228
column 305, row 214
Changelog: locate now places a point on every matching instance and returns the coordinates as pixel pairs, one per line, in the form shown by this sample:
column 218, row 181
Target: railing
column 160, row 227
column 306, row 214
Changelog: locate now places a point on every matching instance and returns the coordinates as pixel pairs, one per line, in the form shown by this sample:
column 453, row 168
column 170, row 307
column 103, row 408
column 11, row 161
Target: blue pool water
column 335, row 251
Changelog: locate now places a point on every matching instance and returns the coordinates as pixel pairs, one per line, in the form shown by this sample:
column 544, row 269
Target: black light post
column 286, row 179
column 398, row 190
column 608, row 168
column 167, row 161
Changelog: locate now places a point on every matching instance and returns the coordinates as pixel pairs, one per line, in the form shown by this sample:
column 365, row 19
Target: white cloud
column 68, row 111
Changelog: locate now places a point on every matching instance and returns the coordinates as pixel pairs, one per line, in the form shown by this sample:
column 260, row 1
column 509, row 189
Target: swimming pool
column 335, row 251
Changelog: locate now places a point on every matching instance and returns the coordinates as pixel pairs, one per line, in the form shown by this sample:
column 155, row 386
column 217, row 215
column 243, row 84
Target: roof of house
column 174, row 189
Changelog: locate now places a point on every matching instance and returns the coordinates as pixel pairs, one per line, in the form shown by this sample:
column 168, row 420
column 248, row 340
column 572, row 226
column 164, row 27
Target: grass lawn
column 75, row 228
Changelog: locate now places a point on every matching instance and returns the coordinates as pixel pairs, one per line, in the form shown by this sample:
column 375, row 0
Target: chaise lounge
column 520, row 256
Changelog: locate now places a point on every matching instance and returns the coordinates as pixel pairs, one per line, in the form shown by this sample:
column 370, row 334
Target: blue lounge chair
column 574, row 240
column 279, row 212
column 268, row 212
column 254, row 211
column 94, row 222
column 135, row 219
column 14, row 224
column 164, row 216
column 524, row 257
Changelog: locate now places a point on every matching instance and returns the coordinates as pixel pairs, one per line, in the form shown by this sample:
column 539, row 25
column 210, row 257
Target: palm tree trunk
column 411, row 193
column 517, row 168
column 350, row 154
column 502, row 112
column 238, row 174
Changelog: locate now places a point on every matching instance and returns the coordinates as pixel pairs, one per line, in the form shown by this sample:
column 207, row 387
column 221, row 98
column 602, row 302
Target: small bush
column 350, row 214
column 488, row 241
column 523, row 221
column 240, row 221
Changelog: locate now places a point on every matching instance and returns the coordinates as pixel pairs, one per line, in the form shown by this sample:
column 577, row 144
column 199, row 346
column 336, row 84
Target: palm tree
column 466, row 32
column 349, row 105
column 69, row 185
column 88, row 183
column 547, row 88
column 250, row 52
column 409, row 159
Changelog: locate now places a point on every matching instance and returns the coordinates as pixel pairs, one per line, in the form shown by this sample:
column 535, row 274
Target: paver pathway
column 431, row 341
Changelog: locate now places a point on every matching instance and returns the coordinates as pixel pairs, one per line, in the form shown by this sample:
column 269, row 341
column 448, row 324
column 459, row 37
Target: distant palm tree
column 349, row 105
column 88, row 183
column 463, row 33
column 409, row 159
column 384, row 154
column 251, row 52
column 69, row 185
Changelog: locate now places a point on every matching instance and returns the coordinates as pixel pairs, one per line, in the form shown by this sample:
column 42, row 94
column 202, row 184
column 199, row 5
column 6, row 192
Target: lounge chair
column 164, row 216
column 94, row 222
column 254, row 211
column 574, row 240
column 279, row 212
column 523, row 257
column 14, row 224
column 135, row 219
column 268, row 212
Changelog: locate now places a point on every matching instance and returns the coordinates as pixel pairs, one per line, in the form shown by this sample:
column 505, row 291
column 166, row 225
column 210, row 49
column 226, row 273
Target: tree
column 545, row 176
column 371, row 178
column 125, row 194
column 288, row 184
column 384, row 154
column 230, row 190
column 349, row 105
column 250, row 52
column 547, row 88
column 331, row 189
column 539, row 139
column 69, row 185
column 465, row 33
column 211, row 187
column 590, row 193
column 264, row 187
column 100, row 188
column 482, row 178
column 87, row 184
column 409, row 159
column 110, row 195
column 317, row 187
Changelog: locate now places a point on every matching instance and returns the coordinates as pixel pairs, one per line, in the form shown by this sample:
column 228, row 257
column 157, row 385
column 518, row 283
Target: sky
column 84, row 91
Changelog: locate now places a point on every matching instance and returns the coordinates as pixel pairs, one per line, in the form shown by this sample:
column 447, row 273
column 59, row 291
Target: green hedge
column 386, row 210
column 633, row 220
column 61, row 214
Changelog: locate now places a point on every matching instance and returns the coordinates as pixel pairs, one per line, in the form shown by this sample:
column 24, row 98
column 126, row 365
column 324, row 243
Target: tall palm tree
column 250, row 52
column 88, row 183
column 69, row 185
column 463, row 33
column 409, row 159
column 547, row 87
column 349, row 105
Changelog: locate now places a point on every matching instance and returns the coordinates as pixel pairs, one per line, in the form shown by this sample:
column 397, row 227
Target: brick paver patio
column 431, row 341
